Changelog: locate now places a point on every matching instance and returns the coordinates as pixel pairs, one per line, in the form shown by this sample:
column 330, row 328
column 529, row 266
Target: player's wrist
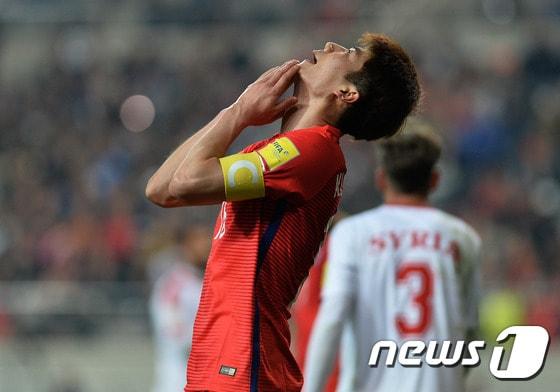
column 237, row 116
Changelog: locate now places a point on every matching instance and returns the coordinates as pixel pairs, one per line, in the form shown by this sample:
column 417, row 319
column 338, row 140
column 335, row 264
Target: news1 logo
column 526, row 359
column 527, row 354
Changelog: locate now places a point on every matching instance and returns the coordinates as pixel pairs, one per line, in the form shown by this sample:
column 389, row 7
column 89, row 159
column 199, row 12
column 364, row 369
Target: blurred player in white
column 398, row 272
column 173, row 308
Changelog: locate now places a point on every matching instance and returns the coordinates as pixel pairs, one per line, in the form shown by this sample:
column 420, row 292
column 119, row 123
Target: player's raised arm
column 192, row 175
column 157, row 189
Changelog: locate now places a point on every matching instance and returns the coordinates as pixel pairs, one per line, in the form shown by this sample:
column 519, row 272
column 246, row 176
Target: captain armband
column 243, row 176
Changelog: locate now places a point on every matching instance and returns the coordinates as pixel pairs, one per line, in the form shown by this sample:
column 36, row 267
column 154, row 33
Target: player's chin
column 303, row 73
column 305, row 64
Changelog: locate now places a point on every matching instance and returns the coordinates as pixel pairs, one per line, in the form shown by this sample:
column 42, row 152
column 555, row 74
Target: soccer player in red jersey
column 277, row 197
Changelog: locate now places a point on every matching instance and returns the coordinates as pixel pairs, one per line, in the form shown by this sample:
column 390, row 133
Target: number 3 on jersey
column 421, row 298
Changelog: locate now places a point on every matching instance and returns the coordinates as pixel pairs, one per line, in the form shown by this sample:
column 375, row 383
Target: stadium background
column 78, row 239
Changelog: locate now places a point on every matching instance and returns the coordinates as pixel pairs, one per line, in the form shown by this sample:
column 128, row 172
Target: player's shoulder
column 315, row 148
column 461, row 227
column 318, row 136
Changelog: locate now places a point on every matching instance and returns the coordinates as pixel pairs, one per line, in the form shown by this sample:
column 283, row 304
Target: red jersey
column 262, row 251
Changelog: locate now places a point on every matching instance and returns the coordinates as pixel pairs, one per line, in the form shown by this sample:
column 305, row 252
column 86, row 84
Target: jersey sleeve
column 341, row 274
column 298, row 165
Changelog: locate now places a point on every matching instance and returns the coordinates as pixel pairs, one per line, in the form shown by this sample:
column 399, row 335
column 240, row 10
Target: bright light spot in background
column 137, row 113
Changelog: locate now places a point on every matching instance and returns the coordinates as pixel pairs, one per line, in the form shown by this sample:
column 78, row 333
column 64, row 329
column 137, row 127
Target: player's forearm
column 157, row 189
column 322, row 350
column 198, row 179
column 216, row 140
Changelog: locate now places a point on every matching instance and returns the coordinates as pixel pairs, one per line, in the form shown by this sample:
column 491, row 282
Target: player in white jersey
column 173, row 307
column 398, row 272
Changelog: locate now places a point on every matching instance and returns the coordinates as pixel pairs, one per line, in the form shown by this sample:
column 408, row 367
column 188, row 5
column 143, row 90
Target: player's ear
column 434, row 180
column 348, row 93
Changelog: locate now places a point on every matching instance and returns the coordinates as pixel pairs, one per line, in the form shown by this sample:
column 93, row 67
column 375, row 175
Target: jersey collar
column 327, row 130
column 332, row 131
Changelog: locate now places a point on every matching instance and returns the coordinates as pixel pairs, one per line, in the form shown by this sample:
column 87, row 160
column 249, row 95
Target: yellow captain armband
column 243, row 176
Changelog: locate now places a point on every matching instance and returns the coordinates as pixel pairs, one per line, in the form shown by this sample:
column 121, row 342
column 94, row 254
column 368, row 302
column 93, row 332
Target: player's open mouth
column 312, row 59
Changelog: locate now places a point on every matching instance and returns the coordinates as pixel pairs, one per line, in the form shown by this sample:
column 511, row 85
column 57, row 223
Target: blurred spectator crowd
column 72, row 177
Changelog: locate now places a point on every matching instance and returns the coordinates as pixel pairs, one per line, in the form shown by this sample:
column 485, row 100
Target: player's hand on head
column 260, row 102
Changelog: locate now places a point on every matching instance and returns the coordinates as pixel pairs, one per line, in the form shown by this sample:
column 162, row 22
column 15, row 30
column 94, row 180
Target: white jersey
column 173, row 307
column 403, row 273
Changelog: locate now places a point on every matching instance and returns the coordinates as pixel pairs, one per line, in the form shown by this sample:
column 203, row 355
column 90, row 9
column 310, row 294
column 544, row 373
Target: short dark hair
column 388, row 87
column 409, row 157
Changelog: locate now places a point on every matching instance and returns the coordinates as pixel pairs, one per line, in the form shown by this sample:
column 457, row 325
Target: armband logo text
column 278, row 152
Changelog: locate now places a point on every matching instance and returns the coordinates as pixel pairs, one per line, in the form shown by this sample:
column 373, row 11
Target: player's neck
column 394, row 198
column 307, row 113
column 302, row 116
